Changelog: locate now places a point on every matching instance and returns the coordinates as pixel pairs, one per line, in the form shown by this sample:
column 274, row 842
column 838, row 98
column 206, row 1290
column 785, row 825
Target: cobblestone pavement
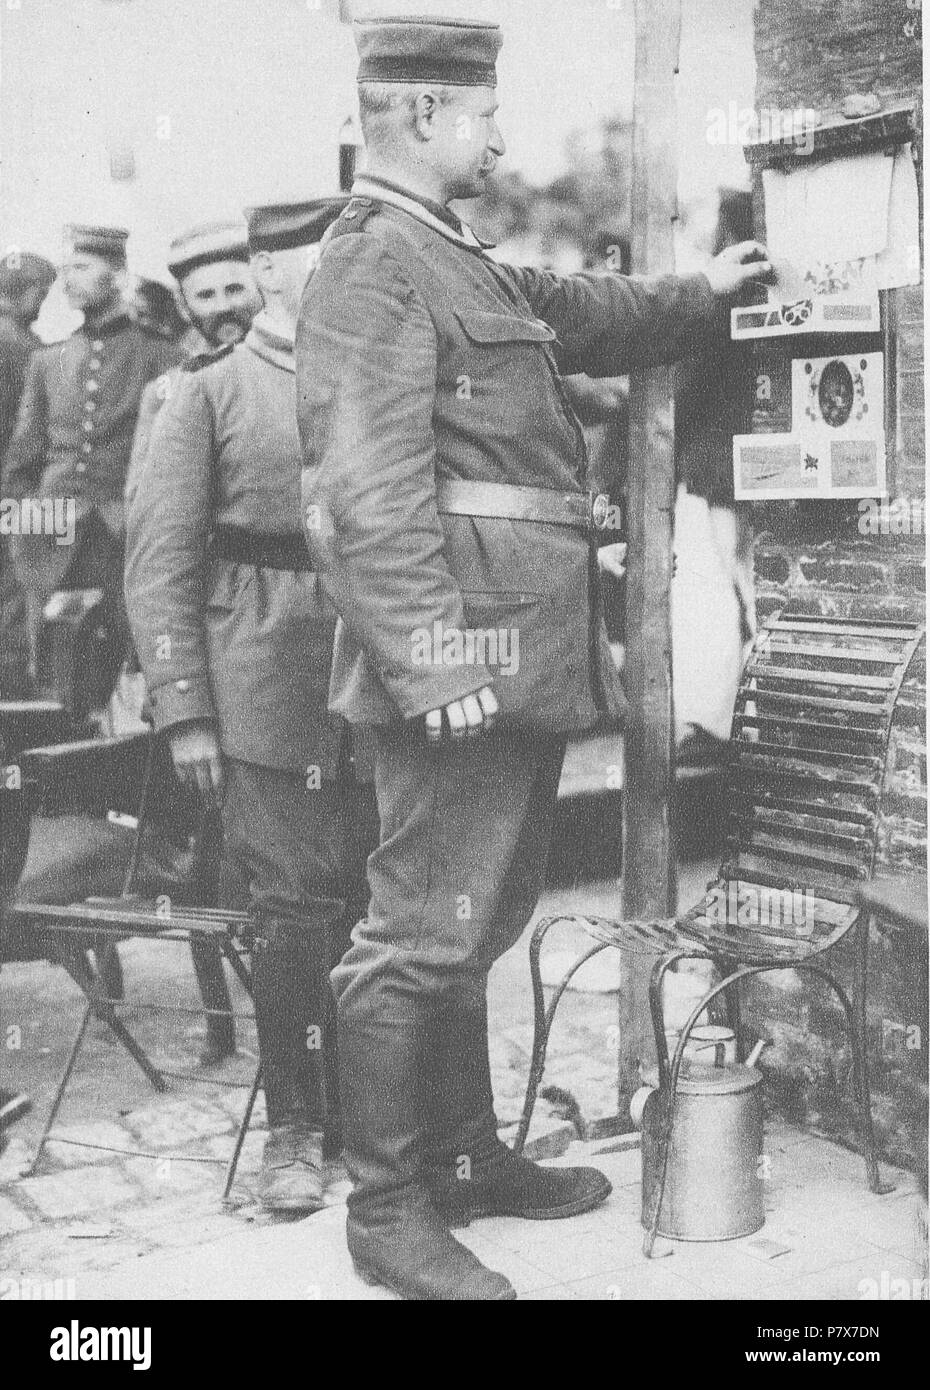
column 91, row 1223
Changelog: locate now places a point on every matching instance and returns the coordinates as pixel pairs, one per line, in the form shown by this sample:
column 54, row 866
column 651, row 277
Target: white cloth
column 712, row 612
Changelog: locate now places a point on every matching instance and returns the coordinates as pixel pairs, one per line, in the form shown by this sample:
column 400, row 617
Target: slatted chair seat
column 804, row 774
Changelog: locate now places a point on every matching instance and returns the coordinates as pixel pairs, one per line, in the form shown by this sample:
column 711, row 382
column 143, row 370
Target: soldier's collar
column 101, row 328
column 268, row 339
column 424, row 209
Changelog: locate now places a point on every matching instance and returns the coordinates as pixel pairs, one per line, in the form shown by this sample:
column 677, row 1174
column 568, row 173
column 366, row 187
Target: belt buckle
column 600, row 511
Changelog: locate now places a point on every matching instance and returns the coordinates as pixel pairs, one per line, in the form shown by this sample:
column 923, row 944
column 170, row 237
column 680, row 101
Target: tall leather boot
column 471, row 1172
column 394, row 1235
column 220, row 1041
column 286, row 990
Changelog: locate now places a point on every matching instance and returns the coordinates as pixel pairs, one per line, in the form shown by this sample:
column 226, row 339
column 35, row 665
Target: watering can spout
column 756, row 1052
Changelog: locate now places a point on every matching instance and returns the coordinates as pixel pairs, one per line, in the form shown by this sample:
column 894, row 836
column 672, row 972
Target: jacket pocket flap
column 484, row 327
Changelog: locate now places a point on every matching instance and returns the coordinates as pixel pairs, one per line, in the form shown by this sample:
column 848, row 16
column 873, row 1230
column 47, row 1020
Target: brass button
column 90, row 405
column 97, row 345
column 95, row 364
column 86, row 447
column 88, row 425
column 182, row 687
column 82, row 467
column 93, row 384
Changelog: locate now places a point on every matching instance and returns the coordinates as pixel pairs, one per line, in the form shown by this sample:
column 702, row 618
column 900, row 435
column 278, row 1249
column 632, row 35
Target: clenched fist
column 195, row 751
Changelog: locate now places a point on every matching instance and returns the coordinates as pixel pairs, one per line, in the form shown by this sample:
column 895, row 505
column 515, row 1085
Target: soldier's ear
column 265, row 271
column 426, row 106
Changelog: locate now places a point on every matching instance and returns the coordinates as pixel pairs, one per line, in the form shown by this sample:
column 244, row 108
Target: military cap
column 403, row 48
column 282, row 226
column 109, row 242
column 20, row 270
column 211, row 241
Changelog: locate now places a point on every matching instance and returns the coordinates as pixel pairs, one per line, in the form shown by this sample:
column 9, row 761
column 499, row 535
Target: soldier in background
column 235, row 639
column 74, row 432
column 25, row 280
column 216, row 292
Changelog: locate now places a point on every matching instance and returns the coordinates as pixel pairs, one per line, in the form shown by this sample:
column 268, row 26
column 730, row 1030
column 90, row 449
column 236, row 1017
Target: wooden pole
column 650, row 887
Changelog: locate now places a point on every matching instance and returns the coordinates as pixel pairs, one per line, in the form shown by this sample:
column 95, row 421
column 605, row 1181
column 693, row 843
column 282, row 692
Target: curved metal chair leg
column 856, row 1029
column 859, row 1037
column 542, row 1020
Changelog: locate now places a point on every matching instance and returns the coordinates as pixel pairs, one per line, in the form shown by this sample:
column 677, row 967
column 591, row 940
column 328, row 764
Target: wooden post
column 650, row 887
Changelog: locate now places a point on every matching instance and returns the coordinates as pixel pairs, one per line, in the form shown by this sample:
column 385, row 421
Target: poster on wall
column 835, row 446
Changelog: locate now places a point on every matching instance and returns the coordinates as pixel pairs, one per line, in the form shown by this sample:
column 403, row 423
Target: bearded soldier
column 235, row 640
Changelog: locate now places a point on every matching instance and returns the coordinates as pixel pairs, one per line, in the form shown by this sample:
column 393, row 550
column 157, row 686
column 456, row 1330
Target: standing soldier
column 235, row 640
column 446, row 507
column 25, row 280
column 217, row 293
column 74, row 430
column 216, row 289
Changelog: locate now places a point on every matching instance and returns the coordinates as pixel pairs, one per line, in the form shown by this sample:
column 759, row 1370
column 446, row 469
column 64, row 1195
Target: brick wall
column 816, row 555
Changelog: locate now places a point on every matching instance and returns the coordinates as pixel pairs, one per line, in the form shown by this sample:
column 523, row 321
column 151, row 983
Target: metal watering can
column 713, row 1184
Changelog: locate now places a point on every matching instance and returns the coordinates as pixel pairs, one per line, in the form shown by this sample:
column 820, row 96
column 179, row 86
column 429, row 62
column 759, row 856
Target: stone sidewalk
column 825, row 1237
column 92, row 1223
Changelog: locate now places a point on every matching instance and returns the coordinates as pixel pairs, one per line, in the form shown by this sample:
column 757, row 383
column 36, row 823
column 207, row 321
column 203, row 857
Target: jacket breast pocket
column 504, row 367
column 487, row 328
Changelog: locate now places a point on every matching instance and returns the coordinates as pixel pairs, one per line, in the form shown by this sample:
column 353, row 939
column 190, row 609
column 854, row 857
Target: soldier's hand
column 611, row 559
column 739, row 265
column 195, row 751
column 463, row 718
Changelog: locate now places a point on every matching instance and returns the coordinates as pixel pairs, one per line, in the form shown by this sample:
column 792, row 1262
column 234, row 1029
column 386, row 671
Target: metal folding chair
column 93, row 772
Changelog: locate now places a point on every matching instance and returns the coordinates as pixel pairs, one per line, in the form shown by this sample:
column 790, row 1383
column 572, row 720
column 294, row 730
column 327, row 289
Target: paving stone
column 160, row 1175
column 12, row 1218
column 100, row 1132
column 78, row 1190
column 648, row 1279
column 170, row 1124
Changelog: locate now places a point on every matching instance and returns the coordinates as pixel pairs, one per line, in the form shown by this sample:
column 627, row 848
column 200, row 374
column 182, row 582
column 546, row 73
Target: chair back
column 808, row 751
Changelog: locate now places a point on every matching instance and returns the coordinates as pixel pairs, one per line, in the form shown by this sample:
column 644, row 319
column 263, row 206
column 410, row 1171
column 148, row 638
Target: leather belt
column 281, row 551
column 585, row 511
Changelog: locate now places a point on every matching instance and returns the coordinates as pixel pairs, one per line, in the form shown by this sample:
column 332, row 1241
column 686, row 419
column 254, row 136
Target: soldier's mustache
column 227, row 328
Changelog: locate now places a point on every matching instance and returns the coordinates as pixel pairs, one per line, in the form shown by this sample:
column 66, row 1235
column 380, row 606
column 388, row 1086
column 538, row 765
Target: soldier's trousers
column 465, row 831
column 302, row 853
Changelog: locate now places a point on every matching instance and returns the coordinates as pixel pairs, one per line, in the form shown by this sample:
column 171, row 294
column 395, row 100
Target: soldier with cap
column 74, row 430
column 446, row 507
column 235, row 639
column 217, row 294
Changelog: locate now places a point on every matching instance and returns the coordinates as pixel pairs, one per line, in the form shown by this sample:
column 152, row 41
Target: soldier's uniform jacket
column 420, row 360
column 193, row 344
column 77, row 415
column 246, row 645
